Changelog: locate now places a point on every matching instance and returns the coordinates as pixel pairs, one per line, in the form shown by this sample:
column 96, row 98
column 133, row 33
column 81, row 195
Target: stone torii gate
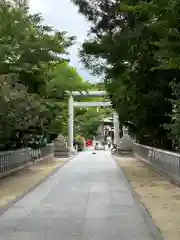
column 72, row 104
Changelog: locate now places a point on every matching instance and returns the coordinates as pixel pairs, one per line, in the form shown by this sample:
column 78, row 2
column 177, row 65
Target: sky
column 64, row 16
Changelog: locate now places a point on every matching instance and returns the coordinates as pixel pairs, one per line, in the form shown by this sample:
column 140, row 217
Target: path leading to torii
column 87, row 199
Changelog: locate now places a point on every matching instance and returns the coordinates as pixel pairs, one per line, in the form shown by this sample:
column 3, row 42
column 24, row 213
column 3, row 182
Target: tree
column 63, row 79
column 168, row 55
column 35, row 55
column 87, row 121
column 20, row 112
column 29, row 48
column 121, row 45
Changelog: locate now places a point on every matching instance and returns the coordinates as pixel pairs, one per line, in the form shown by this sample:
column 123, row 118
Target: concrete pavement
column 87, row 199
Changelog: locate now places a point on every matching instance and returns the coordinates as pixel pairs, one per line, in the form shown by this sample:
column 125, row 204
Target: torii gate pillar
column 70, row 123
column 116, row 128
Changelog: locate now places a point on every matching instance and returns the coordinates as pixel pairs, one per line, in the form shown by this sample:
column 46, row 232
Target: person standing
column 109, row 141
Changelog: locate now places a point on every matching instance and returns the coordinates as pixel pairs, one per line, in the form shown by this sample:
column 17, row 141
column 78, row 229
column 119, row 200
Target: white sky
column 63, row 15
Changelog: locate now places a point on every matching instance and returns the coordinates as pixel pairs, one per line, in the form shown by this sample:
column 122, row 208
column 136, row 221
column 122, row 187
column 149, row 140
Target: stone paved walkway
column 87, row 199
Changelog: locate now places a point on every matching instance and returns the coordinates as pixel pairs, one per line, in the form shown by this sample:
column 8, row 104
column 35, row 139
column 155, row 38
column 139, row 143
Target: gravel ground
column 17, row 184
column 160, row 197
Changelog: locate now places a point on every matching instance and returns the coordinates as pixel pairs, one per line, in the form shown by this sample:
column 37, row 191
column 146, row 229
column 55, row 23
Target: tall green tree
column 121, row 45
column 36, row 55
column 63, row 79
column 28, row 47
column 168, row 55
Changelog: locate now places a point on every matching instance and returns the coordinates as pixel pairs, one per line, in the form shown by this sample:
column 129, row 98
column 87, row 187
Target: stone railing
column 11, row 161
column 166, row 161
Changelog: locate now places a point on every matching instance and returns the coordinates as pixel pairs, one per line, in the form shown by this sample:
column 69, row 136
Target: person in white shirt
column 109, row 141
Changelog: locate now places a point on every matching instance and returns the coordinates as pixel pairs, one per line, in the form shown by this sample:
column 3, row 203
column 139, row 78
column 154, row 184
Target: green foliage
column 87, row 121
column 35, row 80
column 168, row 55
column 20, row 112
column 80, row 141
column 135, row 45
column 64, row 79
column 33, row 103
column 29, row 48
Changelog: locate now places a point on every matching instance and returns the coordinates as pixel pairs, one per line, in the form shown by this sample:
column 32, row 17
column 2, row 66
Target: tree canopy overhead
column 135, row 45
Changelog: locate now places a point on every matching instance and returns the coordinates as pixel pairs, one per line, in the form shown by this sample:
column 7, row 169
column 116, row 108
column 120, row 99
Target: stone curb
column 151, row 225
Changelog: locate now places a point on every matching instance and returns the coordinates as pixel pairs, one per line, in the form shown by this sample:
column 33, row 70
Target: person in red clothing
column 89, row 142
